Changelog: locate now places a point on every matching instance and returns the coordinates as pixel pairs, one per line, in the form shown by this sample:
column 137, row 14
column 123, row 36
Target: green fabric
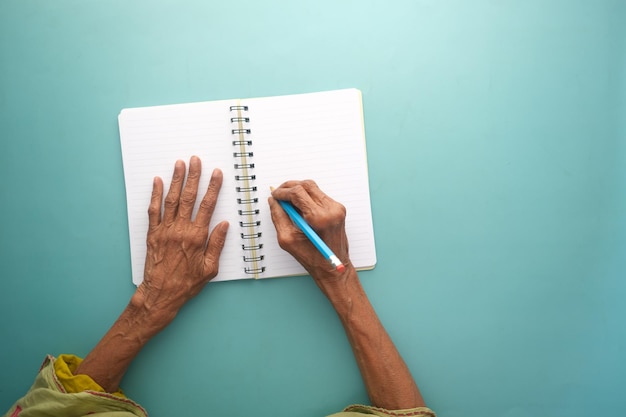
column 368, row 411
column 47, row 397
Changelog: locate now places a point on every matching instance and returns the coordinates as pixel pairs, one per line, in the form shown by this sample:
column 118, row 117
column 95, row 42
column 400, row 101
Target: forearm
column 387, row 378
column 182, row 257
column 107, row 363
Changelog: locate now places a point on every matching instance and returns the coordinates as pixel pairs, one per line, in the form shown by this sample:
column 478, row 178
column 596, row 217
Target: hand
column 179, row 262
column 324, row 215
column 388, row 380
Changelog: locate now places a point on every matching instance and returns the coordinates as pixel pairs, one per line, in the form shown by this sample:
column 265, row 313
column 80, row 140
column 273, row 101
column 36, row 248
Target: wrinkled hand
column 179, row 262
column 325, row 215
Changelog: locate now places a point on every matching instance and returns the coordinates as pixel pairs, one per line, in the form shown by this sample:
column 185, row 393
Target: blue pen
column 310, row 233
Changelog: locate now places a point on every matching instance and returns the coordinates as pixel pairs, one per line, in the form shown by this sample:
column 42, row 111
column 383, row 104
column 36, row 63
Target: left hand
column 179, row 261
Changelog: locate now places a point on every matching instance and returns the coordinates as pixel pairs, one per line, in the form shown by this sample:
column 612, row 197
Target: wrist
column 142, row 315
column 342, row 289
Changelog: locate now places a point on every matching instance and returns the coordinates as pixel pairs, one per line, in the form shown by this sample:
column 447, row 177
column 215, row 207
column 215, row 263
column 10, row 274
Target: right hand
column 325, row 215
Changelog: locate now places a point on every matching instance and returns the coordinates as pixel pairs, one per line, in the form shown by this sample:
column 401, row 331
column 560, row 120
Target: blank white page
column 317, row 136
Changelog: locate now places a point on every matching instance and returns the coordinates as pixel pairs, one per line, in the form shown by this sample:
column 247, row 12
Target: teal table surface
column 496, row 136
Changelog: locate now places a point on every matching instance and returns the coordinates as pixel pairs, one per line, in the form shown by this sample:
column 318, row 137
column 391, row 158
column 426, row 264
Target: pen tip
column 341, row 268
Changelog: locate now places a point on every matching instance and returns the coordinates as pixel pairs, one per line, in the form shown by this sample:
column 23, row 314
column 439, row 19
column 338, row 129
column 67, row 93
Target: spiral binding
column 250, row 225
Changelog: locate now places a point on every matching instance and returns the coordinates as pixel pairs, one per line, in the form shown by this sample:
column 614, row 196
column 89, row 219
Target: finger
column 299, row 197
column 288, row 185
column 212, row 253
column 188, row 196
column 294, row 183
column 314, row 192
column 289, row 191
column 173, row 195
column 316, row 207
column 207, row 205
column 285, row 191
column 289, row 236
column 154, row 209
column 280, row 218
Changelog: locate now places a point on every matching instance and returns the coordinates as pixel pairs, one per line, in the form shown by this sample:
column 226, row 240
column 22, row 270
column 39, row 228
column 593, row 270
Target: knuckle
column 299, row 188
column 207, row 204
column 171, row 201
column 340, row 211
column 285, row 240
column 152, row 240
column 211, row 268
column 188, row 197
column 193, row 175
column 154, row 209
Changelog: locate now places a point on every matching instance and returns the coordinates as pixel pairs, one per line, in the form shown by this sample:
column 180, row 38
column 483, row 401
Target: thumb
column 213, row 250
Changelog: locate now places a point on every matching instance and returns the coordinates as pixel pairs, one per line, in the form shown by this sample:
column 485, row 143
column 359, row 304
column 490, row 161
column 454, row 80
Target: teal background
column 496, row 135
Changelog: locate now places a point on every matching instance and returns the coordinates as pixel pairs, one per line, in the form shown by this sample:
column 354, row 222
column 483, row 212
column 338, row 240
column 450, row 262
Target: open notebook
column 257, row 143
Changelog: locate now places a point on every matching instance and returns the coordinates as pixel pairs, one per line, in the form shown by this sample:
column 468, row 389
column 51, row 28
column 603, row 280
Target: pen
column 310, row 233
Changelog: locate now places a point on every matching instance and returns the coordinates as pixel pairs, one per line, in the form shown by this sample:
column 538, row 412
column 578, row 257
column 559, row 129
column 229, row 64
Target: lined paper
column 317, row 136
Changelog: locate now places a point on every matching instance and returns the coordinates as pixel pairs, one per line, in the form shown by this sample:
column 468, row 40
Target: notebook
column 257, row 143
